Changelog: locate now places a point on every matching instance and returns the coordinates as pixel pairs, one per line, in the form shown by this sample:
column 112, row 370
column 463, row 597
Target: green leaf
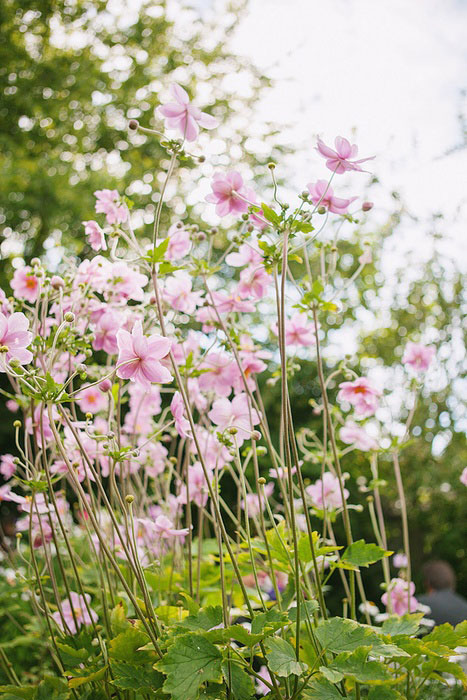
column 16, row 692
column 81, row 680
column 191, row 661
column 447, row 635
column 341, row 635
column 282, row 658
column 238, row 633
column 118, row 618
column 362, row 554
column 407, row 624
column 154, row 256
column 241, row 684
column 306, row 608
column 321, row 689
column 271, row 620
column 72, row 657
column 53, row 689
column 331, row 675
column 439, row 665
column 125, row 647
column 270, row 215
column 355, row 665
column 382, row 693
column 135, row 677
column 204, row 619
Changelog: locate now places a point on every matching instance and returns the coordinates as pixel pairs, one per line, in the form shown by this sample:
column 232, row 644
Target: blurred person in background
column 440, row 583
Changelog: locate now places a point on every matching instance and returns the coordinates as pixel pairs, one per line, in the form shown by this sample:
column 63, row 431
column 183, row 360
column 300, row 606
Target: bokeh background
column 389, row 74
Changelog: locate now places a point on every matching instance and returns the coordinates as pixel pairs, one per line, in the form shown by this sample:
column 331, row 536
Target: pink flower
column 235, row 413
column 339, row 160
column 81, row 614
column 15, row 337
column 360, row 394
column 398, row 594
column 298, row 331
column 418, row 356
column 25, row 284
column 106, row 333
column 229, row 194
column 109, row 203
column 399, row 561
column 179, row 242
column 33, row 427
column 6, row 494
column 463, row 477
column 178, row 293
column 222, row 375
column 196, row 485
column 353, row 434
column 326, row 492
column 324, row 195
column 185, row 117
column 165, row 529
column 248, row 254
column 91, row 400
column 138, row 356
column 182, row 424
column 95, row 235
column 254, row 282
column 122, row 282
column 7, row 466
column 253, row 501
column 262, row 688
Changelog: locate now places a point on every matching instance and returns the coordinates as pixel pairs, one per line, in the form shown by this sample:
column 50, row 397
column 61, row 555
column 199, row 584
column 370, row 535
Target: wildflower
column 105, row 334
column 297, row 331
column 463, row 477
column 248, row 254
column 339, row 160
column 229, row 194
column 178, row 293
column 254, row 282
column 14, row 339
column 262, row 688
column 418, row 356
column 401, row 597
column 321, row 193
column 369, row 608
column 95, row 235
column 185, row 117
column 6, row 494
column 222, row 374
column 399, row 561
column 360, row 394
column 182, row 424
column 138, row 356
column 123, row 283
column 353, row 434
column 25, row 284
column 7, row 466
column 236, row 413
column 91, row 399
column 76, row 610
column 179, row 243
column 326, row 492
column 197, row 486
column 165, row 529
column 109, row 203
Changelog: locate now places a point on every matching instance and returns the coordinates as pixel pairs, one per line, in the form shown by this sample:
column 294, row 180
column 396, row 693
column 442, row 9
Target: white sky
column 390, row 73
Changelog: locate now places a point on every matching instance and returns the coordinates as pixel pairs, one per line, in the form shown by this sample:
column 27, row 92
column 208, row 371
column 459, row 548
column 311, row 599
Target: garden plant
column 170, row 542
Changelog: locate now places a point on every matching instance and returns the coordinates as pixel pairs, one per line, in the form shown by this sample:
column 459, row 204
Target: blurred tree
column 72, row 72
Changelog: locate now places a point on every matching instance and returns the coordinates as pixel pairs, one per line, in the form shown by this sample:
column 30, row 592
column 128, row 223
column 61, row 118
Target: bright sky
column 389, row 73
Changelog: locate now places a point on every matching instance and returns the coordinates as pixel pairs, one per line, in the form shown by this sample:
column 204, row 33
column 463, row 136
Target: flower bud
column 261, row 480
column 57, row 282
column 133, row 124
column 88, row 416
column 105, row 385
column 261, row 451
column 17, row 424
column 366, row 206
column 201, row 159
column 321, row 209
column 35, row 262
column 201, row 237
column 256, row 435
column 232, row 431
column 271, row 165
column 129, row 499
column 69, row 317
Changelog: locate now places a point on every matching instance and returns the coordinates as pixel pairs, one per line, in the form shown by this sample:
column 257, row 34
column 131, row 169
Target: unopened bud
column 17, row 424
column 69, row 317
column 321, row 209
column 129, row 499
column 333, row 249
column 105, row 385
column 57, row 282
column 133, row 124
column 81, row 368
column 261, row 451
column 232, row 431
column 3, row 348
column 88, row 416
column 261, row 480
column 366, row 206
column 271, row 165
column 201, row 159
column 201, row 236
column 35, row 262
column 173, row 460
column 256, row 435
